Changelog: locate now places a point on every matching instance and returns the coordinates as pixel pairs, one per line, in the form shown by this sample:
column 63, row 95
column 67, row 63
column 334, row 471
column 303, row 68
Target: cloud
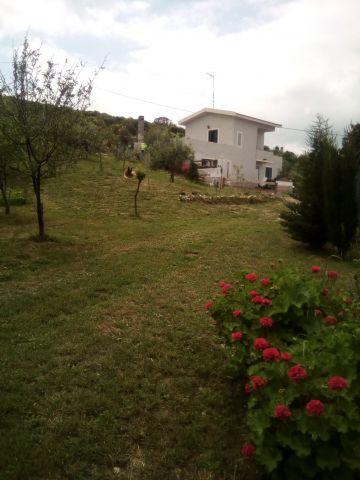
column 281, row 60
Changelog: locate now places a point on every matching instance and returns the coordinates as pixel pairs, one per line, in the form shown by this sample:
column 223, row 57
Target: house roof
column 193, row 116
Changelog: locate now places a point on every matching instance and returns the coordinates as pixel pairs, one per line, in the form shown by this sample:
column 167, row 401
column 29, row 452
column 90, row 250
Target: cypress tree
column 348, row 184
column 326, row 195
column 303, row 218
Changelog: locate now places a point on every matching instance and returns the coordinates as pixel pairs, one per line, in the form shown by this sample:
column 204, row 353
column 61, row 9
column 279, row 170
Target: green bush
column 15, row 196
column 294, row 342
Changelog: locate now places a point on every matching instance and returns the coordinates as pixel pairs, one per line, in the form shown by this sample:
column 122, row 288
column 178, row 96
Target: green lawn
column 110, row 367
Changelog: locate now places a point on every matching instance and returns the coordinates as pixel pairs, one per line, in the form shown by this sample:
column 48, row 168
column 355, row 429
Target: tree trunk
column 6, row 200
column 39, row 206
column 100, row 162
column 172, row 175
column 135, row 198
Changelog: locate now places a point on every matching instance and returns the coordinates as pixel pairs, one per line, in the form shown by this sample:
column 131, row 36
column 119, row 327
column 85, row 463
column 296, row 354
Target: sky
column 284, row 61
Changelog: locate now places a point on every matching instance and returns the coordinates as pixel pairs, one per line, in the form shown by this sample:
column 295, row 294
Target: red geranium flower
column 315, row 269
column 248, row 450
column 222, row 283
column 257, row 299
column 266, row 301
column 225, row 289
column 260, row 343
column 266, row 322
column 237, row 336
column 251, row 277
column 297, row 372
column 253, row 293
column 237, row 313
column 332, row 274
column 286, row 356
column 317, row 312
column 315, row 408
column 325, row 292
column 271, row 355
column 337, row 383
column 247, row 388
column 330, row 320
column 282, row 411
column 208, row 305
column 265, row 281
column 258, row 381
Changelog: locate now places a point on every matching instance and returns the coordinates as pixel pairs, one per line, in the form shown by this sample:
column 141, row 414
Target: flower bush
column 297, row 352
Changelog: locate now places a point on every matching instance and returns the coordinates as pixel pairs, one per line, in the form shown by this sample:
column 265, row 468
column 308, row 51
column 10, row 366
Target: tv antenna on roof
column 212, row 75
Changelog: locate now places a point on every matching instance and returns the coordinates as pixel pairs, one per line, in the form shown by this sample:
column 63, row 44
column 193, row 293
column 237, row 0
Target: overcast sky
column 279, row 60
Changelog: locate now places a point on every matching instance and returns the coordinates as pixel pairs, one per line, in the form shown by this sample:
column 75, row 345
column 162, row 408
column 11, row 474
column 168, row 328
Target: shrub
column 15, row 197
column 300, row 371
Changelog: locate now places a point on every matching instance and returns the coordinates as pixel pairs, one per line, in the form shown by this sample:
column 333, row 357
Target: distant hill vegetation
column 124, row 130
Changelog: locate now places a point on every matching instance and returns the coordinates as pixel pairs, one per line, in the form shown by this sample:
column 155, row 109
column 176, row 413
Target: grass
column 110, row 368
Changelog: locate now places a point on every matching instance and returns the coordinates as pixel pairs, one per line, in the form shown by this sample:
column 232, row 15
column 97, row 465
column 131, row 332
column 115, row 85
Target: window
column 239, row 139
column 213, row 136
column 208, row 163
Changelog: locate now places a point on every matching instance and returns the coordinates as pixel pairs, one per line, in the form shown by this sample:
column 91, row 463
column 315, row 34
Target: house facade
column 229, row 146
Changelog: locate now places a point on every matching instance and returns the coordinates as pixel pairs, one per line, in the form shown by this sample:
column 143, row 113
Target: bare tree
column 41, row 107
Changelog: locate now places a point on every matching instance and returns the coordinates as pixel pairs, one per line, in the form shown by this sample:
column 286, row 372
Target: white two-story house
column 230, row 146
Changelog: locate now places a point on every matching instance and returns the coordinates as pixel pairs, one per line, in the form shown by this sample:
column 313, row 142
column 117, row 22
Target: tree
column 168, row 151
column 98, row 138
column 140, row 176
column 6, row 160
column 325, row 207
column 304, row 218
column 348, row 179
column 41, row 108
column 289, row 160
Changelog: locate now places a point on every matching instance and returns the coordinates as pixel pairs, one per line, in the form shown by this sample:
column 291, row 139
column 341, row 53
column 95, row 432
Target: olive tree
column 41, row 107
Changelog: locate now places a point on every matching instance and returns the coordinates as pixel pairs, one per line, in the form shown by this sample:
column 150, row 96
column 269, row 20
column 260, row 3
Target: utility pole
column 212, row 75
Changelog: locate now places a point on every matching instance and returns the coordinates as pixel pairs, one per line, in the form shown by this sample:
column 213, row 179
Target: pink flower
column 251, row 277
column 265, row 281
column 325, row 292
column 332, row 274
column 253, row 293
column 257, row 299
column 257, row 381
column 286, row 356
column 330, row 320
column 315, row 408
column 315, row 269
column 236, row 336
column 208, row 305
column 271, row 355
column 317, row 312
column 248, row 450
column 260, row 343
column 266, row 322
column 282, row 412
column 237, row 313
column 337, row 383
column 296, row 373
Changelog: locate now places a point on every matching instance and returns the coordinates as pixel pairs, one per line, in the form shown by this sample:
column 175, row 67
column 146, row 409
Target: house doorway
column 268, row 173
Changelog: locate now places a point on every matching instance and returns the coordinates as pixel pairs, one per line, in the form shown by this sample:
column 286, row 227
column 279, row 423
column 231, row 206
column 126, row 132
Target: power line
column 306, row 131
column 178, row 108
column 184, row 110
column 142, row 100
